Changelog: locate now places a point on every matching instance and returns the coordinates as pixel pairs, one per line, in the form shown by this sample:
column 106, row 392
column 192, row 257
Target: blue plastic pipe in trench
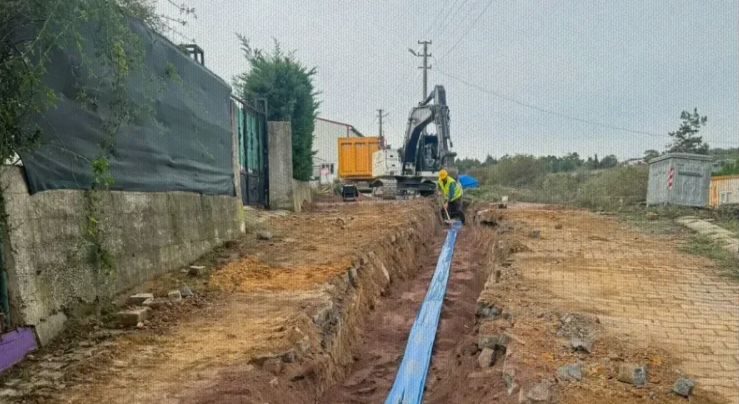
column 411, row 377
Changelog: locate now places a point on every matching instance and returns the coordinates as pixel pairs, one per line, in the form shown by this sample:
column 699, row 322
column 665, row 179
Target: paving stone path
column 640, row 285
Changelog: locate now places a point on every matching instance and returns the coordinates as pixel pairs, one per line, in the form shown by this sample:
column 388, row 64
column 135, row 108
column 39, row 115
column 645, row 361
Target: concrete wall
column 280, row 156
column 301, row 194
column 50, row 267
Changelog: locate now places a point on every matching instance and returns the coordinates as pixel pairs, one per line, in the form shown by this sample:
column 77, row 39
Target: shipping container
column 355, row 157
column 679, row 179
column 724, row 190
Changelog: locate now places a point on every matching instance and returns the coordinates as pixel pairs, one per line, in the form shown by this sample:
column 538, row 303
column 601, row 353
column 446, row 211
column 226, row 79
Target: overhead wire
column 559, row 114
column 490, row 2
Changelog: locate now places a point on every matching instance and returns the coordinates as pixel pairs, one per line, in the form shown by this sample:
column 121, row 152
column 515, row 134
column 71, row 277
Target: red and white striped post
column 670, row 174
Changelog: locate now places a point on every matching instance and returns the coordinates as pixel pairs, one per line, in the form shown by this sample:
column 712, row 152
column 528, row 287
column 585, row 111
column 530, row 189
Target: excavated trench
column 365, row 329
column 386, row 331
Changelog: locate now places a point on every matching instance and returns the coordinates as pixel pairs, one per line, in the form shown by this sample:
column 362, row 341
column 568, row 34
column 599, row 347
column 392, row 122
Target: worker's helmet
column 442, row 175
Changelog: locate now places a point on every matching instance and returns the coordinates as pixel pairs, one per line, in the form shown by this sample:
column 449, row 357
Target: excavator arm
column 424, row 152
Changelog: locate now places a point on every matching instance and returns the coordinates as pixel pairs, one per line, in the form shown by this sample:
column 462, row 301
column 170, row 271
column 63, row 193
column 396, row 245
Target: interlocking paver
column 640, row 285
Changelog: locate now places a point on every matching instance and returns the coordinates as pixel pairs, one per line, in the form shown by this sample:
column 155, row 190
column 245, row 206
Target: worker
column 452, row 192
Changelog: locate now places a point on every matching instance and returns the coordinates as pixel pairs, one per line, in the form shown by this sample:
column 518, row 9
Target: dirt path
column 639, row 286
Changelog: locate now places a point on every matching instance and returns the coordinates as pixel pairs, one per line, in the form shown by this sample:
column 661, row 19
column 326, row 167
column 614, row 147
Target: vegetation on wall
column 287, row 84
column 30, row 32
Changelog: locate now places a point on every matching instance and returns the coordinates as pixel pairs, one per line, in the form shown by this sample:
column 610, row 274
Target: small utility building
column 325, row 142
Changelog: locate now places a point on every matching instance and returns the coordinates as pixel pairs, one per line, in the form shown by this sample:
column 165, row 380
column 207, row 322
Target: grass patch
column 705, row 247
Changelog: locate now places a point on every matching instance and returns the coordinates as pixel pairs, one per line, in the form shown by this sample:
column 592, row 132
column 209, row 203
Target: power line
column 448, row 39
column 490, row 2
column 559, row 114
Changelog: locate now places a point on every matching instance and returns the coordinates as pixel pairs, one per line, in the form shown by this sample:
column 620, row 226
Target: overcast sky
column 624, row 64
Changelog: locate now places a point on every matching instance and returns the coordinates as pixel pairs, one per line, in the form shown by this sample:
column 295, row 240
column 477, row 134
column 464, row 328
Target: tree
column 490, row 160
column 685, row 139
column 650, row 154
column 287, row 85
column 609, row 161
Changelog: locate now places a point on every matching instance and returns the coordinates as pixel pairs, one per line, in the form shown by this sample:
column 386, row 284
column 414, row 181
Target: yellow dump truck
column 355, row 161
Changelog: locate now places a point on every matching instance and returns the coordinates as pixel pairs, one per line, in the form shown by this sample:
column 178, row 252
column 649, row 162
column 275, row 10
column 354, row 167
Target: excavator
column 412, row 170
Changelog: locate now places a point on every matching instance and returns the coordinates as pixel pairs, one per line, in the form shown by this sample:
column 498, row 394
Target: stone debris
column 684, row 386
column 139, row 298
column 133, row 317
column 175, row 296
column 196, row 270
column 633, row 374
column 509, row 376
column 558, row 226
column 323, row 314
column 487, row 341
column 581, row 344
column 273, row 365
column 486, row 358
column 352, row 274
column 569, row 372
column 185, row 291
column 538, row 393
column 289, row 356
column 486, row 310
column 264, row 235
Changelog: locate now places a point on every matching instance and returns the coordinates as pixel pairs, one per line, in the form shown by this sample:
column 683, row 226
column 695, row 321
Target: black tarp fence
column 182, row 143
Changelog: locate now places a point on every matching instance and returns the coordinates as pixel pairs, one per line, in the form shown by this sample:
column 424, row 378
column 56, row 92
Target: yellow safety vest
column 445, row 189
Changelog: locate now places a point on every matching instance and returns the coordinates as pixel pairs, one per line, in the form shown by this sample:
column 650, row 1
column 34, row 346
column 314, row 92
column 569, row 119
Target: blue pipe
column 411, row 377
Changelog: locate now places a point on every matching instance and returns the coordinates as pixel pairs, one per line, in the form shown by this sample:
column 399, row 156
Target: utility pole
column 382, row 137
column 425, row 55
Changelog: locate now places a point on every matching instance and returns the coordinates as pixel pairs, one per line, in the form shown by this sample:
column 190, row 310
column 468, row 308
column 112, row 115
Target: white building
column 325, row 139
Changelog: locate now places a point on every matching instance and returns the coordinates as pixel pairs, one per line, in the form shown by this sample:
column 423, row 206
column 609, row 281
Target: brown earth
column 591, row 276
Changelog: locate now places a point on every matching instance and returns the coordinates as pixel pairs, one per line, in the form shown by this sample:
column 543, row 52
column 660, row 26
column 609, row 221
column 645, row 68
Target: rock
column 264, row 235
column 175, row 296
column 486, row 358
column 633, row 374
column 147, row 302
column 572, row 371
column 504, row 340
column 139, row 298
column 274, row 382
column 470, row 349
column 580, row 344
column 534, row 234
column 558, row 226
column 393, row 238
column 273, row 365
column 386, row 273
column 538, row 393
column 353, row 280
column 509, row 375
column 487, row 341
column 186, row 292
column 303, row 346
column 486, row 310
column 289, row 356
column 684, row 386
column 651, row 215
column 133, row 317
column 323, row 314
column 367, row 390
column 196, row 270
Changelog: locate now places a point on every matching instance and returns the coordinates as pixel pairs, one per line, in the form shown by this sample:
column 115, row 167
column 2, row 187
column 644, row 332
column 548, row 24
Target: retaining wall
column 50, row 263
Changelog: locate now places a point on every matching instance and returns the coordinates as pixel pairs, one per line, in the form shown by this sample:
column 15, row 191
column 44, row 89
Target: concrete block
column 139, row 298
column 134, row 316
column 174, row 296
column 48, row 328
